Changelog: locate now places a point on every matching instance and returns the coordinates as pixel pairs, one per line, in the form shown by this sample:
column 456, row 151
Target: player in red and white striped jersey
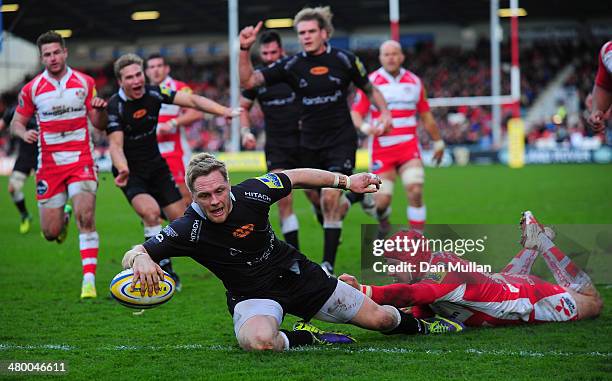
column 62, row 99
column 396, row 151
column 476, row 299
column 173, row 144
column 601, row 109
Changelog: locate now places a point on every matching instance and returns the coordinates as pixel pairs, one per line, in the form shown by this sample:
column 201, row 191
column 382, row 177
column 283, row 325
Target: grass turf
column 192, row 337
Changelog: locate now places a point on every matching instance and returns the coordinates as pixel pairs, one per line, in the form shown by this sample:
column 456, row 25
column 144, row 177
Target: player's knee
column 85, row 219
column 260, row 341
column 51, row 232
column 150, row 216
column 383, row 201
column 383, row 319
column 329, row 200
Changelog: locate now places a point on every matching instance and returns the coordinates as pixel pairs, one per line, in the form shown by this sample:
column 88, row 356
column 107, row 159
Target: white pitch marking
column 229, row 348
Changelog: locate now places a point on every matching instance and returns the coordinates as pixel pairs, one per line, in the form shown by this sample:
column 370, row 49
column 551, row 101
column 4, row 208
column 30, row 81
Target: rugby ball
column 120, row 291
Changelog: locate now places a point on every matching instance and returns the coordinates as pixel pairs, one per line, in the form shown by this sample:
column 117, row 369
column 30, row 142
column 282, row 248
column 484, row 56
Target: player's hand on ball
column 98, row 103
column 248, row 35
column 365, row 183
column 148, row 273
column 122, row 178
column 350, row 280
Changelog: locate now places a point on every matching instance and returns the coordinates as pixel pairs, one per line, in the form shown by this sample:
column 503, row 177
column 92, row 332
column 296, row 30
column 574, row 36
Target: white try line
column 352, row 349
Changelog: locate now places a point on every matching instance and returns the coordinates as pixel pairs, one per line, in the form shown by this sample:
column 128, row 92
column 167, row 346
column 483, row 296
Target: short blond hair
column 322, row 15
column 202, row 164
column 126, row 60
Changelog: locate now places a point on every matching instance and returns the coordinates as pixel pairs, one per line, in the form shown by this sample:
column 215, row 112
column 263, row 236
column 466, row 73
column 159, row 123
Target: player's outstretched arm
column 309, row 178
column 115, row 149
column 145, row 270
column 18, row 128
column 249, row 77
column 204, row 104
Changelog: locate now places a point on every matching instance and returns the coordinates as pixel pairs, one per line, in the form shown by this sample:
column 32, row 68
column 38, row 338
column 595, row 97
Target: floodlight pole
column 394, row 19
column 495, row 75
column 232, row 8
column 515, row 73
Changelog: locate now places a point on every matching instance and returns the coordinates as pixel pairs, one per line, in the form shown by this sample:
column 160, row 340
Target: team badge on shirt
column 271, row 180
column 165, row 90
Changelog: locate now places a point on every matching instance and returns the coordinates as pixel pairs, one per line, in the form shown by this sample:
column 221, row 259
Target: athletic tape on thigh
column 413, row 175
column 342, row 305
column 57, row 201
column 89, row 186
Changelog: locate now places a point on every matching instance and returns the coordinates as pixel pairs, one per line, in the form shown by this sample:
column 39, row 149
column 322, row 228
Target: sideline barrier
column 254, row 161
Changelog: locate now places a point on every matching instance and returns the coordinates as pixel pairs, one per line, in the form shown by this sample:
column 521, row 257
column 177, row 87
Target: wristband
column 439, row 145
column 244, row 131
column 343, row 182
column 134, row 258
column 365, row 128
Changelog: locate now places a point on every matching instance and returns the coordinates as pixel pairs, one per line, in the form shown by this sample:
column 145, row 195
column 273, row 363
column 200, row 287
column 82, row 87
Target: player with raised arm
column 172, row 120
column 139, row 169
column 396, row 152
column 281, row 110
column 63, row 99
column 25, row 163
column 227, row 230
column 321, row 75
column 479, row 299
column 601, row 108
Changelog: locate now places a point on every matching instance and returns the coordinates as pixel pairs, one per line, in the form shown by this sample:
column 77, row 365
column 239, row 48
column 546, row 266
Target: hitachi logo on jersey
column 257, row 196
column 322, row 99
column 195, row 231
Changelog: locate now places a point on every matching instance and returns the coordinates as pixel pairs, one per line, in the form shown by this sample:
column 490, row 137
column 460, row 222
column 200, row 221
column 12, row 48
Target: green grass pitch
column 191, row 337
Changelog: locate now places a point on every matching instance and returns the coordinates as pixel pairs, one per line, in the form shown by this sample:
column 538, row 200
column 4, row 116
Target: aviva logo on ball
column 120, row 290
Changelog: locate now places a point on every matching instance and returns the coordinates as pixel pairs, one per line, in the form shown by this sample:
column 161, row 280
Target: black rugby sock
column 298, row 338
column 22, row 208
column 332, row 239
column 409, row 325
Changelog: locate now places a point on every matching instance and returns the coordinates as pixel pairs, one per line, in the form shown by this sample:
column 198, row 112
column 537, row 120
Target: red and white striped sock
column 521, row 264
column 565, row 271
column 416, row 217
column 88, row 245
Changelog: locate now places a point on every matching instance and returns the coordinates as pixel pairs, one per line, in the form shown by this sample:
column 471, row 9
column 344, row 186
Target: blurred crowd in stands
column 446, row 72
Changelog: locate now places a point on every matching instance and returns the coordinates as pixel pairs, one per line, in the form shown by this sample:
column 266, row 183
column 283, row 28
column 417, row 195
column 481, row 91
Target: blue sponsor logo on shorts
column 41, row 187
